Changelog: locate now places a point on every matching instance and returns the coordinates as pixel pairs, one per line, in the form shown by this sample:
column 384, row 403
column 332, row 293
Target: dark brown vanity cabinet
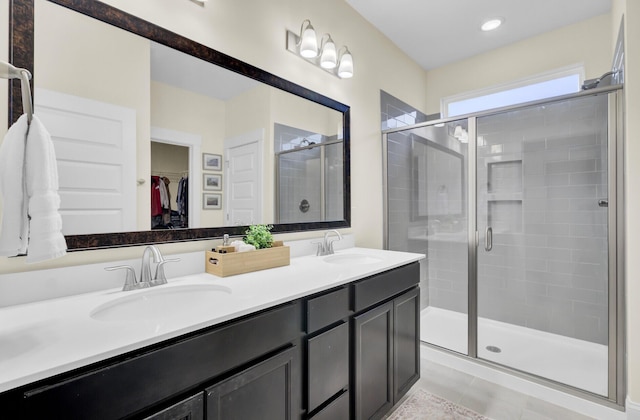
column 386, row 354
column 155, row 381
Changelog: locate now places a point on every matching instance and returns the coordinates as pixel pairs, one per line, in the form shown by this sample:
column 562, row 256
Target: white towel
column 30, row 184
column 240, row 246
column 14, row 228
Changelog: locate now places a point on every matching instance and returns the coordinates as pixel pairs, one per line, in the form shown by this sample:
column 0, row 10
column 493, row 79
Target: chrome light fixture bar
column 338, row 62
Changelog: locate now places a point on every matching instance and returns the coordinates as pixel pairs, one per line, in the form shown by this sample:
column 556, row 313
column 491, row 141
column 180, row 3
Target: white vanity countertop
column 41, row 339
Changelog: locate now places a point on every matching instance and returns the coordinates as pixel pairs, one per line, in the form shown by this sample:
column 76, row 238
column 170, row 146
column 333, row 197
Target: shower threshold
column 578, row 363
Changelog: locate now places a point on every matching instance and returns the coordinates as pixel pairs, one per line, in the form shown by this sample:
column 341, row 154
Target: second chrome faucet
column 326, row 246
column 146, row 279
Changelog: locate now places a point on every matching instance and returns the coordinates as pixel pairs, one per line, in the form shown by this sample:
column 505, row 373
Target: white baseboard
column 633, row 410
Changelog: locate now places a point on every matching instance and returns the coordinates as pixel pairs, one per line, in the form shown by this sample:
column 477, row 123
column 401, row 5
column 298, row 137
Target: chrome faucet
column 145, row 268
column 326, row 246
column 146, row 280
column 159, row 276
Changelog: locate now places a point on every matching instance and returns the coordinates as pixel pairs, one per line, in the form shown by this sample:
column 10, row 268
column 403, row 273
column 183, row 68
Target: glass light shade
column 457, row 133
column 328, row 58
column 464, row 138
column 308, row 42
column 345, row 70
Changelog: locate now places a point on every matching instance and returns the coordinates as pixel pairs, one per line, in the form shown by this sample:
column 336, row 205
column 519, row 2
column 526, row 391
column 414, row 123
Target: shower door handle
column 488, row 239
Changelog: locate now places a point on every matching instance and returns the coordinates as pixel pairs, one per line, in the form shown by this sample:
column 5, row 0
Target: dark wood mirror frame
column 21, row 54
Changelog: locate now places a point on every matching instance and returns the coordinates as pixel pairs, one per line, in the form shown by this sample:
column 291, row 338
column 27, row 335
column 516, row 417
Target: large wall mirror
column 161, row 139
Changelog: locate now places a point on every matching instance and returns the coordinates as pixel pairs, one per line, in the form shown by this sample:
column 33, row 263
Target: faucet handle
column 330, row 246
column 160, row 277
column 329, row 243
column 130, row 282
column 319, row 249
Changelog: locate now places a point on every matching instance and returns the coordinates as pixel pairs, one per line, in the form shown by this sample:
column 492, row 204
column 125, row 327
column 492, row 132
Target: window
column 547, row 85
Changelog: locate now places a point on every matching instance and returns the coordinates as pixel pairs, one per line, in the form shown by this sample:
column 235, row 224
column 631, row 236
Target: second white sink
column 160, row 302
column 356, row 259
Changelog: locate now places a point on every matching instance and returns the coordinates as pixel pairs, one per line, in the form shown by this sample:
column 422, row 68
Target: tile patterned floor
column 486, row 398
column 420, row 405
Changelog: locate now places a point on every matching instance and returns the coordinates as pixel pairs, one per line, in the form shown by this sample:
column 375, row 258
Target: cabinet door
column 406, row 333
column 373, row 362
column 268, row 390
column 190, row 409
column 328, row 365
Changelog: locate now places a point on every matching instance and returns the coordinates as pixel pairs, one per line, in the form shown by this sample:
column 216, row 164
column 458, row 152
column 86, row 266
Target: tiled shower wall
column 299, row 179
column 541, row 173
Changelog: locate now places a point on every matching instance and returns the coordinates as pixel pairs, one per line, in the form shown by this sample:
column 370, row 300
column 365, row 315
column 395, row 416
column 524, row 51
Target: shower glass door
column 427, row 170
column 542, row 259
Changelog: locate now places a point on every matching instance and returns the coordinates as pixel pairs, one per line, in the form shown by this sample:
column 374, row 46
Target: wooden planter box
column 233, row 263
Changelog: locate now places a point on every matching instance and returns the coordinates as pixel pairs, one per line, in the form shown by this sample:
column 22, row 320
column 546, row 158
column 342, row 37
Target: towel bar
column 8, row 71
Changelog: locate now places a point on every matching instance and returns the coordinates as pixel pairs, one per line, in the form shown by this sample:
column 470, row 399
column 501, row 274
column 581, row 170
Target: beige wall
column 632, row 93
column 587, row 42
column 631, row 11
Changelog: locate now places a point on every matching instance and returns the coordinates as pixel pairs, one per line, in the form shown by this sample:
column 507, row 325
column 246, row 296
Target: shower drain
column 494, row 349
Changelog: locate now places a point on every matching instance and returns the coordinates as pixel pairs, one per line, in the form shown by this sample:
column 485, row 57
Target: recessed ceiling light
column 491, row 24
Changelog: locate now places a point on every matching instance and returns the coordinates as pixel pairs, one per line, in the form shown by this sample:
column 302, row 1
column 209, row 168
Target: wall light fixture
column 327, row 57
column 461, row 134
column 307, row 42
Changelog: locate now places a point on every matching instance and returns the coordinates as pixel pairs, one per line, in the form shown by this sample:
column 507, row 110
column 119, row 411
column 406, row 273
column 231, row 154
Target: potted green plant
column 259, row 236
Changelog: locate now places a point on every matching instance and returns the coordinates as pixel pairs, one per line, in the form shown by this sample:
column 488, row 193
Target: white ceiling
column 186, row 72
column 437, row 32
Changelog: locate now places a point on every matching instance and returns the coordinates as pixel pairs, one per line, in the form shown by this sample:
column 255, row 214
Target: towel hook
column 8, row 71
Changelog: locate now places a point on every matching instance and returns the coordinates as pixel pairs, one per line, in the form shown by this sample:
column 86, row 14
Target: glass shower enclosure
column 518, row 212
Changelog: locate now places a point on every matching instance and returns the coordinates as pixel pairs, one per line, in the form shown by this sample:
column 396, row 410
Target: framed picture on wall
column 211, row 162
column 212, row 182
column 211, row 201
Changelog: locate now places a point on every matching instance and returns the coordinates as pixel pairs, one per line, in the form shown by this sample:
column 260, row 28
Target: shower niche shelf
column 504, row 196
column 504, row 177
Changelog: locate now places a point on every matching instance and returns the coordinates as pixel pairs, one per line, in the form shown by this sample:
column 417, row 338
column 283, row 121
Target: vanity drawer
column 337, row 410
column 385, row 285
column 327, row 309
column 136, row 382
column 328, row 365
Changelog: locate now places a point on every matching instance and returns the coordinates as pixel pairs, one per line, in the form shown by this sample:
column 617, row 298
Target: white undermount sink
column 351, row 259
column 160, row 302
